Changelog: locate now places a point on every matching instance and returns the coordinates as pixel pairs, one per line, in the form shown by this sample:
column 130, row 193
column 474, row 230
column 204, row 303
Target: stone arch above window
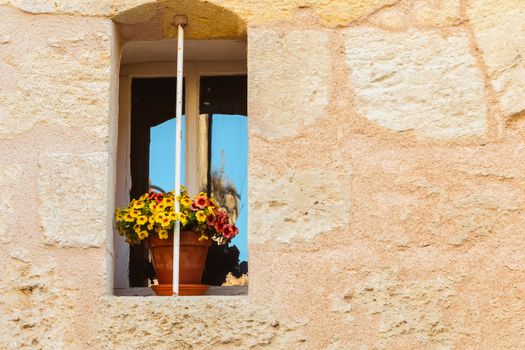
column 206, row 21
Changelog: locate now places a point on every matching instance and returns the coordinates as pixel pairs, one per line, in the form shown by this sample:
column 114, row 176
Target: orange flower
column 201, row 202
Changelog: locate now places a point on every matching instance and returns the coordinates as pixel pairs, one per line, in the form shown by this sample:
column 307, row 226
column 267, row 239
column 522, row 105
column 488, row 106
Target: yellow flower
column 201, row 217
column 183, row 219
column 143, row 234
column 153, row 206
column 185, row 201
column 150, row 227
column 160, row 207
column 143, row 197
column 137, row 228
column 159, row 217
column 163, row 234
column 138, row 205
column 168, row 201
column 129, row 218
column 173, row 215
column 165, row 222
column 120, row 217
column 151, row 220
column 134, row 213
column 141, row 220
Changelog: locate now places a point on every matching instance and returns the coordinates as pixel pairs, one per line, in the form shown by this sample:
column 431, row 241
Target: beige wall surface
column 386, row 176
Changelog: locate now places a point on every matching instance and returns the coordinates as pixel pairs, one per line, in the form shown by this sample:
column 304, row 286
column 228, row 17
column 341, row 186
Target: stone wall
column 387, row 163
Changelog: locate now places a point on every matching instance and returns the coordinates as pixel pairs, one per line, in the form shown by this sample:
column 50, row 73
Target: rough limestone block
column 335, row 13
column 9, row 177
column 499, row 29
column 392, row 18
column 63, row 78
column 418, row 81
column 297, row 205
column 289, row 76
column 73, row 194
column 400, row 308
column 436, row 13
column 476, row 212
column 33, row 309
column 192, row 323
column 84, row 7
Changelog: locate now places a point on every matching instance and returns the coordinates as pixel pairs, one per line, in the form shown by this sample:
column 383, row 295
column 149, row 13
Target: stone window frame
column 196, row 143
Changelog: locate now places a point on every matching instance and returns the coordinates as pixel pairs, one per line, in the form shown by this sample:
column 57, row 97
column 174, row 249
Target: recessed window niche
column 214, row 145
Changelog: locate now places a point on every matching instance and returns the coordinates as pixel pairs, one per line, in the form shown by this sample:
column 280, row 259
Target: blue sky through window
column 230, row 144
column 162, row 155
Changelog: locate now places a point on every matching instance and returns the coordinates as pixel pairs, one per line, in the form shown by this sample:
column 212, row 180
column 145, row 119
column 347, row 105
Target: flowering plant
column 154, row 213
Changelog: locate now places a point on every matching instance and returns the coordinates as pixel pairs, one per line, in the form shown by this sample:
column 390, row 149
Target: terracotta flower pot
column 191, row 263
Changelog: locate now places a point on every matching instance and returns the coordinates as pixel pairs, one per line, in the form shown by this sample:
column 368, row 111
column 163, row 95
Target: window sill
column 213, row 290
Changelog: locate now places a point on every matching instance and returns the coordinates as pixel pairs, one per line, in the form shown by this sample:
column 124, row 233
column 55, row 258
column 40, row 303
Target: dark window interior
column 224, row 95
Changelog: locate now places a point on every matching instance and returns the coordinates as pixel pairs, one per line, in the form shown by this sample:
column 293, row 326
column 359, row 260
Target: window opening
column 146, row 112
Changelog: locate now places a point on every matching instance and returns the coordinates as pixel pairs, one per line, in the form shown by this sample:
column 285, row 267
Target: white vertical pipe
column 178, row 142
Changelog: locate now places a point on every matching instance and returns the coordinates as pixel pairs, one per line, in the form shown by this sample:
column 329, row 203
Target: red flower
column 219, row 226
column 151, row 195
column 158, row 197
column 194, row 207
column 201, row 202
column 211, row 220
column 222, row 217
column 227, row 232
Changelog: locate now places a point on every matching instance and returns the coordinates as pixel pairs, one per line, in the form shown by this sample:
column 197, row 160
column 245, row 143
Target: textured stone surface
column 86, row 7
column 361, row 236
column 55, row 292
column 412, row 308
column 9, row 177
column 436, row 13
column 499, row 33
column 331, row 12
column 306, row 205
column 192, row 323
column 391, row 18
column 42, row 315
column 72, row 189
column 287, row 96
column 31, row 89
column 476, row 212
column 417, row 81
column 206, row 21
